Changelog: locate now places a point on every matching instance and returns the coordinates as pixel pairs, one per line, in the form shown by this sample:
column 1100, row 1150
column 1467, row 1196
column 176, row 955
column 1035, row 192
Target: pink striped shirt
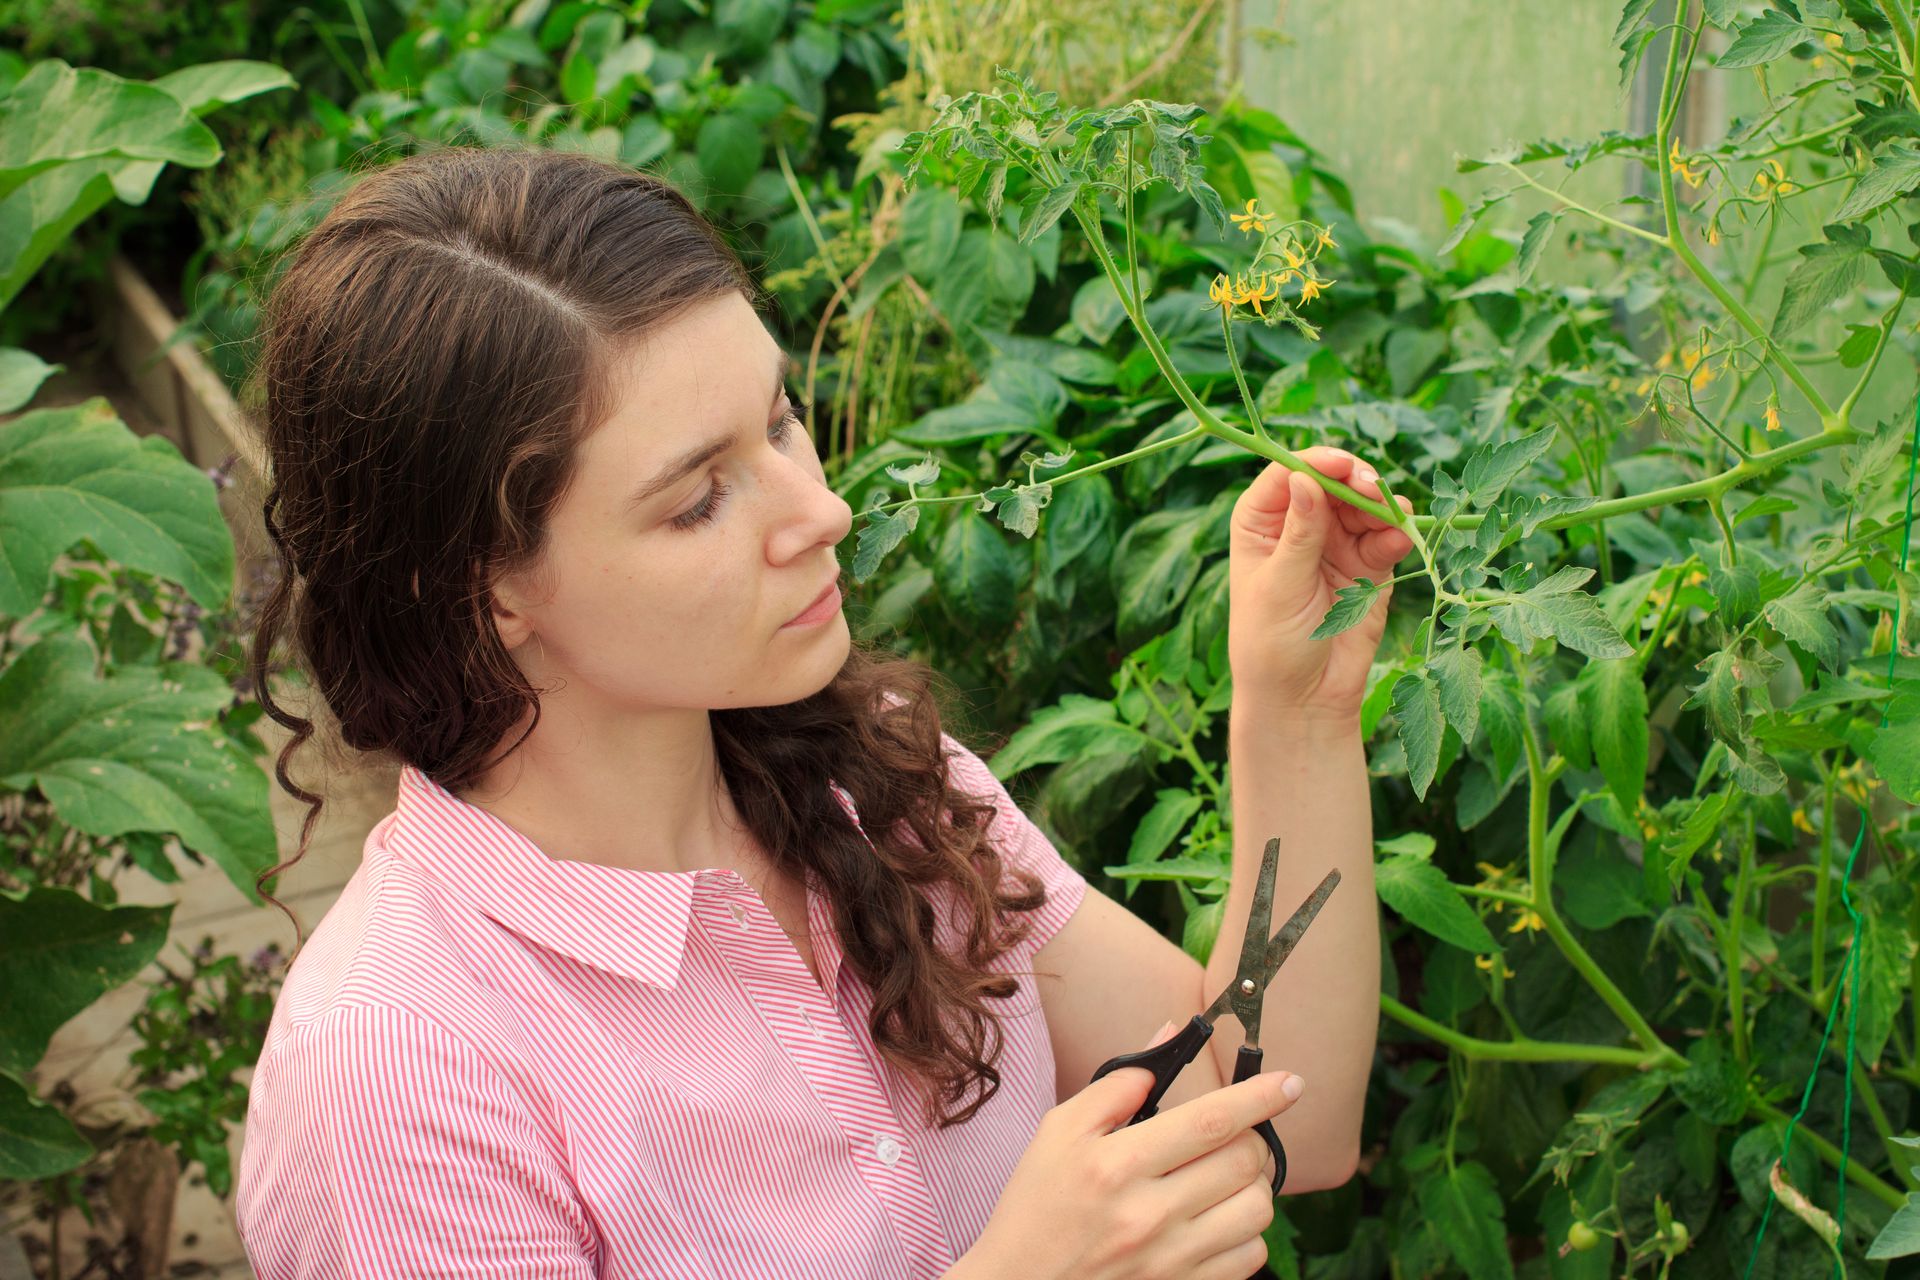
column 486, row 1061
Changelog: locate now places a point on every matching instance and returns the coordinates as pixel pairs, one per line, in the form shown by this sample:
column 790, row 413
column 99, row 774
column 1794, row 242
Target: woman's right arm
column 1185, row 1193
column 378, row 1144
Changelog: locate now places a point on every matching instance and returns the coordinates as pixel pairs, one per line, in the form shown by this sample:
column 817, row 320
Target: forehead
column 706, row 372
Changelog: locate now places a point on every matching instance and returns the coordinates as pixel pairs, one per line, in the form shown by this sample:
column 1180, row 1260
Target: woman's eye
column 781, row 432
column 704, row 510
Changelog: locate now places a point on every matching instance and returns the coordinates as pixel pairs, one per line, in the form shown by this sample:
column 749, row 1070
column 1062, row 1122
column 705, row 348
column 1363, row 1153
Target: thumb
column 1113, row 1099
column 1295, row 563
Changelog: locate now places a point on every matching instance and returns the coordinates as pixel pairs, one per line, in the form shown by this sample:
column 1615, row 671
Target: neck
column 645, row 793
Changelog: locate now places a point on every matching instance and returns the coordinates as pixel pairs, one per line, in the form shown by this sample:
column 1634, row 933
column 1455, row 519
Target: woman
column 662, row 965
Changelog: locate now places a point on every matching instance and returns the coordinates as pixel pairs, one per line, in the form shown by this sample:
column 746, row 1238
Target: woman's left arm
column 1299, row 772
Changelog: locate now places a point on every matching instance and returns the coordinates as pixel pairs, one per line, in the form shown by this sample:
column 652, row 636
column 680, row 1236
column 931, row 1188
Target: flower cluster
column 1254, row 290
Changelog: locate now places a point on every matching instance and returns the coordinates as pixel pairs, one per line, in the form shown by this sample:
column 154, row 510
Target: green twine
column 1850, row 972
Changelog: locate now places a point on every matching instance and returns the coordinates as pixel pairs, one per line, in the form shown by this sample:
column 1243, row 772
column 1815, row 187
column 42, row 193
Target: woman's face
column 697, row 526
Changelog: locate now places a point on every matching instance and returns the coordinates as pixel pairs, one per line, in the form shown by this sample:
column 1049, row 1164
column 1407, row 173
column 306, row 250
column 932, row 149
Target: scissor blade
column 1253, row 942
column 1289, row 936
column 1246, row 1005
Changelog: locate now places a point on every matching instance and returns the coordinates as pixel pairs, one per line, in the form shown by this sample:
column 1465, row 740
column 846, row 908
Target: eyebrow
column 700, row 455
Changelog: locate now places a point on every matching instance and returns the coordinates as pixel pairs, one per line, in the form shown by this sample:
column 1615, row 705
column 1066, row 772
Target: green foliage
column 1642, row 683
column 114, row 744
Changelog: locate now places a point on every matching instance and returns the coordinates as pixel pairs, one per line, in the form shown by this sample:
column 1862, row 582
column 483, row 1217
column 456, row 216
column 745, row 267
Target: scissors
column 1260, row 959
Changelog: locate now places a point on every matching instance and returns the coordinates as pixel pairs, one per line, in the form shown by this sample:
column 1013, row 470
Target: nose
column 813, row 514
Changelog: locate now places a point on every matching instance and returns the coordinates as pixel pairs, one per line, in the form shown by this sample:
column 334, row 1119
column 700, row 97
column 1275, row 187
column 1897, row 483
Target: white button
column 739, row 912
column 888, row 1150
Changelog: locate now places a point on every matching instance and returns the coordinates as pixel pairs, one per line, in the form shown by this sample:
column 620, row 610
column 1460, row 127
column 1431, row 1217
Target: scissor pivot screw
column 1246, row 986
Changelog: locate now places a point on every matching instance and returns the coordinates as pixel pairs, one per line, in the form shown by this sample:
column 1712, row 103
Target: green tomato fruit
column 1582, row 1237
column 1678, row 1234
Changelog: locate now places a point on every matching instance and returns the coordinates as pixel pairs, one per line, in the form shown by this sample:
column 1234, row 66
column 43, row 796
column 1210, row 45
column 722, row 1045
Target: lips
column 824, row 593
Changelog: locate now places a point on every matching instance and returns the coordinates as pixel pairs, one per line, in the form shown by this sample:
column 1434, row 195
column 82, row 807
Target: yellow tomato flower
column 1252, row 222
column 1293, row 259
column 1309, row 288
column 1485, row 965
column 1665, row 361
column 1221, row 293
column 1702, row 376
column 1713, row 233
column 1801, row 821
column 1267, row 291
column 1529, row 920
column 1773, row 411
column 1325, row 238
column 1681, row 167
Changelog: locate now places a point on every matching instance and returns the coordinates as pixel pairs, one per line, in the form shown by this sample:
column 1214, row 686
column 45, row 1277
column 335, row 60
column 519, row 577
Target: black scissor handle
column 1166, row 1060
column 1246, row 1065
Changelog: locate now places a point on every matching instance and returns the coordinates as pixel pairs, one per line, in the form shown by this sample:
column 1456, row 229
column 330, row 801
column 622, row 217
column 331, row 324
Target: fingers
column 1190, row 1130
column 1201, row 1184
column 1236, row 1226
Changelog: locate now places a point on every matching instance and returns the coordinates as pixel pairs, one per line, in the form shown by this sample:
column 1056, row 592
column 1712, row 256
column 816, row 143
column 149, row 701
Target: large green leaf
column 1421, row 892
column 1882, row 980
column 1894, row 751
column 37, row 217
column 1416, row 705
column 1016, row 398
column 1901, row 1236
column 36, row 1141
column 977, row 573
column 1557, row 607
column 1464, row 1206
column 1827, row 272
column 213, row 85
column 57, row 114
column 58, row 954
column 136, row 750
column 78, row 472
column 1615, row 698
column 1076, row 726
column 1154, row 567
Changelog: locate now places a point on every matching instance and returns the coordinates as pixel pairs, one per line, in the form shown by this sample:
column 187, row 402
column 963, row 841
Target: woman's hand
column 1292, row 546
column 1186, row 1192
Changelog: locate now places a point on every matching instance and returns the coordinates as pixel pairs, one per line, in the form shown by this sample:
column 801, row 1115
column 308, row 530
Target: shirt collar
column 629, row 922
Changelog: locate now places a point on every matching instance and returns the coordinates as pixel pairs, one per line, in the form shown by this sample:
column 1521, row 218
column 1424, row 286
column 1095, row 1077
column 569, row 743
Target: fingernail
column 1293, row 1086
column 1369, row 475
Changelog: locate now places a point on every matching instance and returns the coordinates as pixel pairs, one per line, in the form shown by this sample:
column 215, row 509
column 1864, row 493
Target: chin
column 820, row 653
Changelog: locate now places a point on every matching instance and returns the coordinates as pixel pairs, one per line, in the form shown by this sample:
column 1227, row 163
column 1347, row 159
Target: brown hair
column 432, row 354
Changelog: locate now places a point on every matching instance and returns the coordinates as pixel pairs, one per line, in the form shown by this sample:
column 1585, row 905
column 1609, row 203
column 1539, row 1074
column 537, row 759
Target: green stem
column 1821, row 891
column 1158, row 446
column 1863, row 1089
column 1519, row 1050
column 1673, row 89
column 805, row 208
column 1575, row 205
column 1540, row 872
column 1496, row 895
column 1135, row 299
column 1188, row 751
column 1239, row 377
column 1903, row 37
column 1735, row 948
column 1873, row 362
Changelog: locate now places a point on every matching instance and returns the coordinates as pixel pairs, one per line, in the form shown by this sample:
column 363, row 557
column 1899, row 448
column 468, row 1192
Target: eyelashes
column 710, row 505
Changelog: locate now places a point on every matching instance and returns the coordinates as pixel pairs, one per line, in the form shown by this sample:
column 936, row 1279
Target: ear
column 506, row 607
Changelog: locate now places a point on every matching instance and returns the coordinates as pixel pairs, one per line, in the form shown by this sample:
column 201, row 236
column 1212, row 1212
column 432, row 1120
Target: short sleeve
column 378, row 1144
column 1021, row 845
